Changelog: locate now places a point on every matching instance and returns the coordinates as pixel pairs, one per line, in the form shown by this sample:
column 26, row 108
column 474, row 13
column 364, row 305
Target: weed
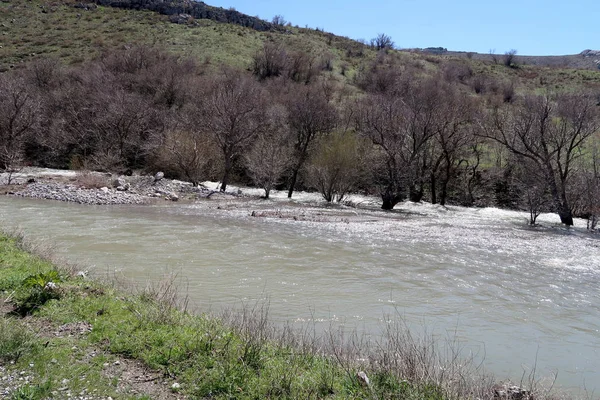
column 37, row 290
column 32, row 392
column 15, row 340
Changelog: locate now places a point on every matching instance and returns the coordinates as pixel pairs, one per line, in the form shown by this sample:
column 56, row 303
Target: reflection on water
column 507, row 291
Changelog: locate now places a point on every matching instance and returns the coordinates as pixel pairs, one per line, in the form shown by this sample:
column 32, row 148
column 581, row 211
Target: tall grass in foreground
column 238, row 354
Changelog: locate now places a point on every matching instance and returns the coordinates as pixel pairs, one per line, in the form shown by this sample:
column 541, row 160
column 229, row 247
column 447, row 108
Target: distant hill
column 587, row 59
column 180, row 10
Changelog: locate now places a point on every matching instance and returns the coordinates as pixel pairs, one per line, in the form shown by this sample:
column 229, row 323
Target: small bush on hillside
column 510, row 59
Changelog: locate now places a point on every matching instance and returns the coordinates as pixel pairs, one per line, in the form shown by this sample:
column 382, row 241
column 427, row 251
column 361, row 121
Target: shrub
column 15, row 340
column 91, row 180
column 510, row 58
column 37, row 290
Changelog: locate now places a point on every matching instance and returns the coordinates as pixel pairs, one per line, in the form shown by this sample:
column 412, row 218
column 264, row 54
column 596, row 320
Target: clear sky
column 532, row 27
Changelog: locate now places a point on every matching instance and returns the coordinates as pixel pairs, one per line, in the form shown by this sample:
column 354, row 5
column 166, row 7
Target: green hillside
column 74, row 32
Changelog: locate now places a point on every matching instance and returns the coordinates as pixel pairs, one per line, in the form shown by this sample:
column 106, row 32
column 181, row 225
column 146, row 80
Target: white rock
column 363, row 378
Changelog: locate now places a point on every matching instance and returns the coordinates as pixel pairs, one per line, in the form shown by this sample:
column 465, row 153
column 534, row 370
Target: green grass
column 30, row 29
column 74, row 35
column 206, row 357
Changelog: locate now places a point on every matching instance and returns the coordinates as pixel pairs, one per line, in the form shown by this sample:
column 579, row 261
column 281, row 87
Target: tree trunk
column 388, row 203
column 433, row 192
column 445, row 180
column 225, row 181
column 390, row 199
column 566, row 216
column 470, row 181
column 415, row 194
column 293, row 182
column 444, row 193
column 560, row 198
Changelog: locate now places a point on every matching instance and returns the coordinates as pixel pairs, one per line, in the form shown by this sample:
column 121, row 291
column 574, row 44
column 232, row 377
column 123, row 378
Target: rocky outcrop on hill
column 590, row 53
column 594, row 54
column 181, row 10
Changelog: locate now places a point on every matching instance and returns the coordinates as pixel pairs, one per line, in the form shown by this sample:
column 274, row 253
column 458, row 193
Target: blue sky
column 532, row 27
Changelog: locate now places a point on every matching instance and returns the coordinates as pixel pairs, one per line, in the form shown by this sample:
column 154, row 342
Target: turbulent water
column 517, row 296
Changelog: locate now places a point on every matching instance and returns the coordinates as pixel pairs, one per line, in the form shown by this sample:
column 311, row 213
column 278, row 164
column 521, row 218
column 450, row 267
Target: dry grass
column 91, row 180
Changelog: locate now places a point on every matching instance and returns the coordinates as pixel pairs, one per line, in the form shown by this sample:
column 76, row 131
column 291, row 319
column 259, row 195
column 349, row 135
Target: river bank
column 65, row 336
column 96, row 188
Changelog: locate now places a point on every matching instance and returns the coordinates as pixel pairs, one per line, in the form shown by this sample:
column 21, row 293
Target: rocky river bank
column 97, row 188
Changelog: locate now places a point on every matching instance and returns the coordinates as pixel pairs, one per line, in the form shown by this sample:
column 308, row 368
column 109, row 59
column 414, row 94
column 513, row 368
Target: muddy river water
column 515, row 295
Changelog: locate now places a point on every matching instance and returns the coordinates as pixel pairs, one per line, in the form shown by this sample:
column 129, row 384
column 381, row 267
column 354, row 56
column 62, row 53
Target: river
column 518, row 296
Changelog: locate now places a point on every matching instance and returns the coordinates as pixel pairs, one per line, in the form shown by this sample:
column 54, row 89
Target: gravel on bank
column 72, row 193
column 94, row 188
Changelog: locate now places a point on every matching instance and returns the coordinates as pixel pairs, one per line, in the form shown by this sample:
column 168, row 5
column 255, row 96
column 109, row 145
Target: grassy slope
column 41, row 28
column 33, row 28
column 205, row 357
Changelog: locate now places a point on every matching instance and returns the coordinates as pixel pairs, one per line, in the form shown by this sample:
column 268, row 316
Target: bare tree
column 270, row 61
column 152, row 73
column 71, row 110
column 510, row 58
column 381, row 120
column 271, row 152
column 188, row 153
column 587, row 187
column 120, row 123
column 592, row 200
column 469, row 173
column 422, row 111
column 402, row 123
column 234, row 113
column 534, row 193
column 279, row 21
column 379, row 77
column 301, row 67
column 18, row 118
column 549, row 131
column 44, row 73
column 453, row 134
column 382, row 42
column 493, row 56
column 310, row 115
column 337, row 165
